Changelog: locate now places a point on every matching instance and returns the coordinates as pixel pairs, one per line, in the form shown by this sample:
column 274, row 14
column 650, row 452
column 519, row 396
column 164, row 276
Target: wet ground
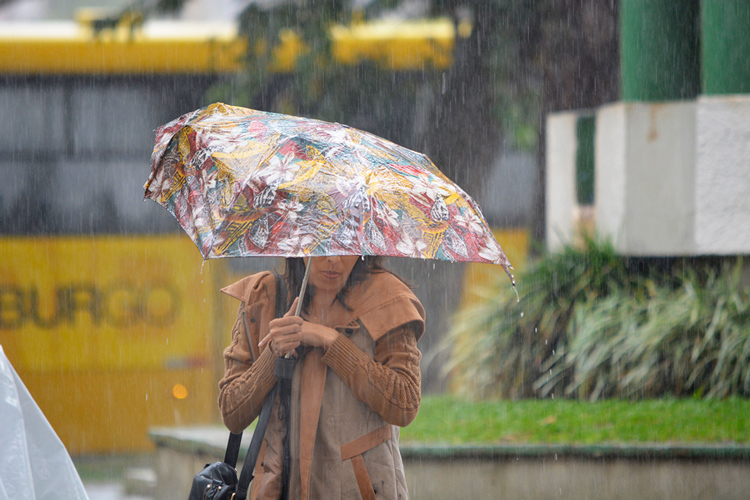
column 109, row 491
column 116, row 477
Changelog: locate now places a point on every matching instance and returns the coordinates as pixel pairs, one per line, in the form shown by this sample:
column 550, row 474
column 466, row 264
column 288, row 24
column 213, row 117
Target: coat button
column 348, row 331
column 252, row 320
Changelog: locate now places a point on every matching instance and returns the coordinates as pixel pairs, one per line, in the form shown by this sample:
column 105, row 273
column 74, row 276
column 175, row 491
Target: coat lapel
column 312, row 384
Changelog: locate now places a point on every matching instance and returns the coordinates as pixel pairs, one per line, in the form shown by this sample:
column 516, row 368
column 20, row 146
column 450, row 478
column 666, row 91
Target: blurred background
column 108, row 313
column 561, row 118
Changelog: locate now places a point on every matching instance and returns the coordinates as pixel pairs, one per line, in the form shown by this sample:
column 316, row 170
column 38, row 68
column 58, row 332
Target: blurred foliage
column 366, row 96
column 493, row 65
column 592, row 324
column 502, row 50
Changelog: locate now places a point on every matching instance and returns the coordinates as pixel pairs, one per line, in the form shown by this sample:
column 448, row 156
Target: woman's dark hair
column 295, row 273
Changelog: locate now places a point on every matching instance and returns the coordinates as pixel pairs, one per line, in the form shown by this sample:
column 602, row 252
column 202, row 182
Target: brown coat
column 347, row 402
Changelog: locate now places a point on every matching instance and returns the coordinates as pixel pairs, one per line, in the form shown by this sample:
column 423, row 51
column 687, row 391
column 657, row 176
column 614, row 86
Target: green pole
column 725, row 35
column 659, row 49
column 585, row 132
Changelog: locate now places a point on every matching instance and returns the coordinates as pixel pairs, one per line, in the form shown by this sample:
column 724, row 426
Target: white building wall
column 610, row 183
column 560, row 187
column 722, row 194
column 660, row 170
column 671, row 178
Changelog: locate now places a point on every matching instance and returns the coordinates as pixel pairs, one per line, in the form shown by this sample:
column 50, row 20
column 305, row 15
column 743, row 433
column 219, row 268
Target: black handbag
column 218, row 481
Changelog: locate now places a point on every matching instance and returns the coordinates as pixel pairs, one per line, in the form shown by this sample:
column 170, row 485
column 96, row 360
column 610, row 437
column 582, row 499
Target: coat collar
column 242, row 289
column 381, row 303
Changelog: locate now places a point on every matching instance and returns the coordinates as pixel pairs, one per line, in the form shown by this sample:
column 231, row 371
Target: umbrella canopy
column 249, row 183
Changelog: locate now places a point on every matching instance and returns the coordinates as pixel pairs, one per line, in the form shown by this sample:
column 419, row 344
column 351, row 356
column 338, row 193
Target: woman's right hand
column 285, row 333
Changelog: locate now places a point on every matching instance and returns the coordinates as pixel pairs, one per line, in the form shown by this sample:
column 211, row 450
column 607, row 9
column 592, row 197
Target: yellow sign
column 105, row 303
column 112, row 335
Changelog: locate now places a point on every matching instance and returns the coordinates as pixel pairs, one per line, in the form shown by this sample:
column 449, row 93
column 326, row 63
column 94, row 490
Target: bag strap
column 251, row 458
column 235, row 440
column 248, row 467
column 233, row 449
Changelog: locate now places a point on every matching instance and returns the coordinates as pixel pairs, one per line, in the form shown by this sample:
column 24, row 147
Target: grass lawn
column 451, row 420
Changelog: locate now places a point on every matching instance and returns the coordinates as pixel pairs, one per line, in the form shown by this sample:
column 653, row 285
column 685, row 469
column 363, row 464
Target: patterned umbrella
column 249, row 183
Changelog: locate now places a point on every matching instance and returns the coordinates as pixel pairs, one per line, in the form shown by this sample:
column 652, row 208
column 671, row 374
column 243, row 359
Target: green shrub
column 591, row 324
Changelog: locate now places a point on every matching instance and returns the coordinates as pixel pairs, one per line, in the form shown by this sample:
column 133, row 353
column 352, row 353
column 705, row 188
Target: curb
column 213, row 440
column 629, row 450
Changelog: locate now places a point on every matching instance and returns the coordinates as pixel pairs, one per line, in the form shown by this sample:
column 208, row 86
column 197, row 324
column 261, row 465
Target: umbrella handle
column 302, row 291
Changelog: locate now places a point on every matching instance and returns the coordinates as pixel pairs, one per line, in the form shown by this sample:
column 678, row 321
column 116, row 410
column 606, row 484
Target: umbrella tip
column 512, row 278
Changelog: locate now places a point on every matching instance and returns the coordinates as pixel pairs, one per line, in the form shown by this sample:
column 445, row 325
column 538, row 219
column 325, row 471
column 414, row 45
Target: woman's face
column 328, row 274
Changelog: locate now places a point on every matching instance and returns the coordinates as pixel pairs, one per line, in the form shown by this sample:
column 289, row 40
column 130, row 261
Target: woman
column 356, row 381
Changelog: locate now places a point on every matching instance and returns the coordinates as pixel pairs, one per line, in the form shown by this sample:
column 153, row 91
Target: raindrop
column 555, row 457
column 433, row 265
column 203, row 264
column 522, row 314
column 146, row 396
column 545, row 342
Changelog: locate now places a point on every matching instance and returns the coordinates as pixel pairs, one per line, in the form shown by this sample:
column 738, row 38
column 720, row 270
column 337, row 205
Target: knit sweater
column 389, row 382
column 344, row 425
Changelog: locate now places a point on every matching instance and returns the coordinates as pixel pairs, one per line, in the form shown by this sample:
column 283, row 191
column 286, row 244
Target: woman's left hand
column 288, row 331
column 315, row 335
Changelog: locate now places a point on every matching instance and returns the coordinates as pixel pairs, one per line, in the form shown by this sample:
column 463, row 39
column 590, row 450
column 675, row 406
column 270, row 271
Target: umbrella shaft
column 302, row 291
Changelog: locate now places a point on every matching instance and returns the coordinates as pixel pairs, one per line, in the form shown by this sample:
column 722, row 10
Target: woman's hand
column 284, row 334
column 289, row 332
column 316, row 335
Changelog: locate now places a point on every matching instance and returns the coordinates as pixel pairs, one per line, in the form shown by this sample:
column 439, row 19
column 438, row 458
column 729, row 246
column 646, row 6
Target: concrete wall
column 722, row 182
column 561, row 174
column 552, row 478
column 610, row 183
column 644, row 472
column 512, row 479
column 645, row 176
column 671, row 178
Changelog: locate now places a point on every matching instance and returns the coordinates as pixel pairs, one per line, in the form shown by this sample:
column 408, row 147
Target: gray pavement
column 116, row 477
column 110, row 490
